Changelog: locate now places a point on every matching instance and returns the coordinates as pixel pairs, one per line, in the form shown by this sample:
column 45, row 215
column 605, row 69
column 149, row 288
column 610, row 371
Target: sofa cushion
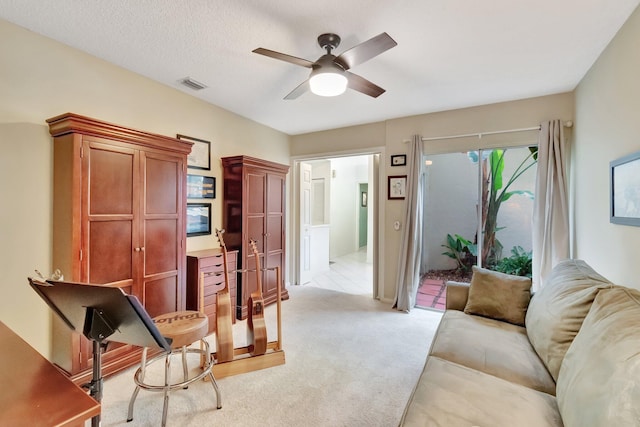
column 491, row 346
column 599, row 382
column 498, row 296
column 452, row 395
column 556, row 312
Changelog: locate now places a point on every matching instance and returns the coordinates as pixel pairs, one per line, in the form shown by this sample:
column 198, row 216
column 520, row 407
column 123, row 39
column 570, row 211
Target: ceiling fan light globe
column 328, row 84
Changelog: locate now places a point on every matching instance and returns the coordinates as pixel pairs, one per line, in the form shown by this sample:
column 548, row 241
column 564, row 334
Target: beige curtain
column 550, row 208
column 411, row 241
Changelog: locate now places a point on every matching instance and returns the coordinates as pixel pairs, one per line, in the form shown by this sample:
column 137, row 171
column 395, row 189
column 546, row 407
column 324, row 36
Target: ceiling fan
column 329, row 73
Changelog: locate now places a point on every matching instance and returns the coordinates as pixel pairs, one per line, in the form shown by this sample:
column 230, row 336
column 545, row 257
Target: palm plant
column 495, row 191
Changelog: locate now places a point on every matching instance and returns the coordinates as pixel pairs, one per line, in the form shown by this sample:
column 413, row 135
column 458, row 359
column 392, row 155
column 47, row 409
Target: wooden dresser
column 209, row 262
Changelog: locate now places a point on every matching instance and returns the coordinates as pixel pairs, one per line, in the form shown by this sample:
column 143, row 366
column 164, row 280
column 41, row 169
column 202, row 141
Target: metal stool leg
column 185, row 371
column 214, row 384
column 167, row 387
column 132, row 401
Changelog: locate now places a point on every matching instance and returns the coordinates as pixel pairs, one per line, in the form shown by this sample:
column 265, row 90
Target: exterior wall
column 607, row 128
column 41, row 78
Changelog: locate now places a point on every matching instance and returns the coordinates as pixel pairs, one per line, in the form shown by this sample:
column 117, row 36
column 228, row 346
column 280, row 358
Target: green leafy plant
column 518, row 264
column 463, row 251
column 495, row 191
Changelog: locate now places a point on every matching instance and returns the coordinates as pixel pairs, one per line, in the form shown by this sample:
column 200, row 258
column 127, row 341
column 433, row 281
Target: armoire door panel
column 276, row 232
column 255, row 230
column 255, row 193
column 275, row 190
column 161, row 295
column 109, row 251
column 161, row 182
column 160, row 250
column 249, row 280
column 110, row 179
column 272, row 260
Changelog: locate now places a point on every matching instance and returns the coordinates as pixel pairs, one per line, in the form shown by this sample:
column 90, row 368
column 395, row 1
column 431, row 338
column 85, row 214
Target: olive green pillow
column 498, row 296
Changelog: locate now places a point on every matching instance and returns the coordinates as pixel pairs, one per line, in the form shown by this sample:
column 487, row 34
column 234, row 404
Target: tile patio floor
column 431, row 294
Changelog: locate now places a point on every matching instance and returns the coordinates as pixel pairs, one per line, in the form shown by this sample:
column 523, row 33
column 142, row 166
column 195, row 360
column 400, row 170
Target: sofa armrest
column 457, row 294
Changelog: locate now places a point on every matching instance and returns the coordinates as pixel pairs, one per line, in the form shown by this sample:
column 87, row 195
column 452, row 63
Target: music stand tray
column 101, row 314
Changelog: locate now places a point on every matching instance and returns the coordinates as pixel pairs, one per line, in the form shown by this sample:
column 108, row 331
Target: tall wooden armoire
column 254, row 208
column 118, row 220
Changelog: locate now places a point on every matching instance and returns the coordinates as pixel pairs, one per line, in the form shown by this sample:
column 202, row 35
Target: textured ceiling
column 450, row 53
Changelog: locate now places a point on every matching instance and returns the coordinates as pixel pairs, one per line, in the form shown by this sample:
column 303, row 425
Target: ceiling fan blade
column 302, row 88
column 363, row 85
column 365, row 51
column 283, row 57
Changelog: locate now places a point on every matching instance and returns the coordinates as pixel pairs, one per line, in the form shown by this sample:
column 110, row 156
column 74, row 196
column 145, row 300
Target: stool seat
column 183, row 327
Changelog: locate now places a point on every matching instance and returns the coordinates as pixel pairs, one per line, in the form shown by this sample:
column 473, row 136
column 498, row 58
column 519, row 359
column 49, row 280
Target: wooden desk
column 35, row 393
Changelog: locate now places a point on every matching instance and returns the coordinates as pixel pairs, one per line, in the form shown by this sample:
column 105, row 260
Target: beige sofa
column 576, row 363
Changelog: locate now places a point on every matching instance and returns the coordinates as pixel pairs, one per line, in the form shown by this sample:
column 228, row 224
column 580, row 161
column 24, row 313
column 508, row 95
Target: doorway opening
column 337, row 223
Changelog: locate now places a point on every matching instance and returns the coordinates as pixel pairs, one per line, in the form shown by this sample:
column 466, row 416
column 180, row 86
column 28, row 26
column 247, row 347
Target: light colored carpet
column 350, row 361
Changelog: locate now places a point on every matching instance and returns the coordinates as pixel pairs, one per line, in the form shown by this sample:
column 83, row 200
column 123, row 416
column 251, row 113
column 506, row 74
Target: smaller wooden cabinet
column 210, row 262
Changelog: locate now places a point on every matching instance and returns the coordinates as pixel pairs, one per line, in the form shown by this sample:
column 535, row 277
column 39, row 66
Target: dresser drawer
column 209, row 263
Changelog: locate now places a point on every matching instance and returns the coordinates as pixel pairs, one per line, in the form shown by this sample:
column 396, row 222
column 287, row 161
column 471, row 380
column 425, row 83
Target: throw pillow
column 498, row 296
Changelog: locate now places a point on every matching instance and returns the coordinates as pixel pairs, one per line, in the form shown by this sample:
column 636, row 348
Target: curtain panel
column 409, row 260
column 551, row 206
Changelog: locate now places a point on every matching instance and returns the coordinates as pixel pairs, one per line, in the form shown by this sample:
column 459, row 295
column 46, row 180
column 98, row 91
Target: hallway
column 349, row 273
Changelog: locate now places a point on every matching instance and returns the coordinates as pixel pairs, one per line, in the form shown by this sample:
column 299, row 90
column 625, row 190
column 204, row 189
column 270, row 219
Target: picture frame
column 624, row 179
column 397, row 187
column 399, row 160
column 198, row 219
column 363, row 199
column 200, row 156
column 201, row 187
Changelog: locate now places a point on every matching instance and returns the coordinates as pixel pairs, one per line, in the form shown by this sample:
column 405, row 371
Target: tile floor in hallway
column 354, row 275
column 349, row 273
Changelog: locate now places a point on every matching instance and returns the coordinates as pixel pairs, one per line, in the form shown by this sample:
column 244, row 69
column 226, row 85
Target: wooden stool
column 182, row 328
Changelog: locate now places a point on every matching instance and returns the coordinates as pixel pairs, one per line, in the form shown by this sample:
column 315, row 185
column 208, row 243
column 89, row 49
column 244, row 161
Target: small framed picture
column 363, row 199
column 200, row 156
column 198, row 219
column 624, row 176
column 399, row 160
column 397, row 187
column 201, row 187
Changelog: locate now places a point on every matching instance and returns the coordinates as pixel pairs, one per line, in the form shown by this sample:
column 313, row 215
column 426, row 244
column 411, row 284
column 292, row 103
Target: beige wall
column 40, row 78
column 390, row 137
column 607, row 127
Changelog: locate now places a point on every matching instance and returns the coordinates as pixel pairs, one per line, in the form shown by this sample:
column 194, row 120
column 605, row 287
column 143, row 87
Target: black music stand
column 101, row 314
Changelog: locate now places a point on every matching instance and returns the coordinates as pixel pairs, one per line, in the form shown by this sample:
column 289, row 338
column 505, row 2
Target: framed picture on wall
column 624, row 177
column 397, row 187
column 201, row 187
column 198, row 219
column 399, row 160
column 200, row 156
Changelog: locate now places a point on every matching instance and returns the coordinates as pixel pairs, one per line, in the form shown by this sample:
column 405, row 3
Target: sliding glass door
column 486, row 193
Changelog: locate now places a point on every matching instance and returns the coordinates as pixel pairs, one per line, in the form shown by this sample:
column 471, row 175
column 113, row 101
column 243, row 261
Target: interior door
column 304, row 272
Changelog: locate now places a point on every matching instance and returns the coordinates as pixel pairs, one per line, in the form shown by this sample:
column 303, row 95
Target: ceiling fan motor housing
column 329, row 41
